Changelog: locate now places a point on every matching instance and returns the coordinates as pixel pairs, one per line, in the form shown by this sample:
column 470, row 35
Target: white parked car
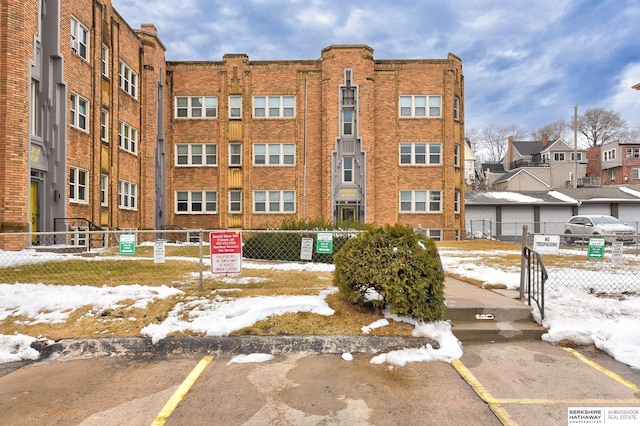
column 583, row 226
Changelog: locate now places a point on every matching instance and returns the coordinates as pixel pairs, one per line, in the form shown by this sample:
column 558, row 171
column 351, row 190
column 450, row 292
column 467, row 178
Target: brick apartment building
column 615, row 163
column 95, row 124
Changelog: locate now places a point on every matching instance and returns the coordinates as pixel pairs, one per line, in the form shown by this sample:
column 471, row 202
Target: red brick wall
column 18, row 26
column 315, row 130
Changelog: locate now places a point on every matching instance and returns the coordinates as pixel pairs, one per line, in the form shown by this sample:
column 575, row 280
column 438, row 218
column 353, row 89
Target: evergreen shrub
column 401, row 266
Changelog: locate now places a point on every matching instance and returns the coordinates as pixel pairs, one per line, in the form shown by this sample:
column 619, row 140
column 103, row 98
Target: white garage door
column 630, row 214
column 480, row 220
column 595, row 208
column 553, row 218
column 514, row 217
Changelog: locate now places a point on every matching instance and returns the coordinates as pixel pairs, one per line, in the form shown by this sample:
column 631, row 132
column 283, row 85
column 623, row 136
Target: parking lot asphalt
column 515, row 383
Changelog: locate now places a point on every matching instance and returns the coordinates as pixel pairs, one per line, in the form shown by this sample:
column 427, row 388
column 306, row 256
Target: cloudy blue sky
column 526, row 63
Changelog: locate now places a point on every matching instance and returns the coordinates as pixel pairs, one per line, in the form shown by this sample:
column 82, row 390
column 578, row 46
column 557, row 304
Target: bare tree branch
column 600, row 126
column 559, row 129
column 494, row 139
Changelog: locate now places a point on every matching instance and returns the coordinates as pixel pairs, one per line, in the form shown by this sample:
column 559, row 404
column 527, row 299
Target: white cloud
column 625, row 99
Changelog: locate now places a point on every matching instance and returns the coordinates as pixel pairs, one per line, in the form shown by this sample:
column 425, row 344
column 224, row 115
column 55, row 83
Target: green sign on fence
column 128, row 244
column 596, row 248
column 324, row 242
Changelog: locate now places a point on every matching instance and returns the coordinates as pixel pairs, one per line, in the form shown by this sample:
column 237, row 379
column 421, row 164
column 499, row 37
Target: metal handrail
column 535, row 277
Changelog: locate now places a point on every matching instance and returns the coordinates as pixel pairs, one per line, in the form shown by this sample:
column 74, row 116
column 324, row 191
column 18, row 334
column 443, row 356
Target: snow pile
column 220, row 316
column 17, row 348
column 54, row 303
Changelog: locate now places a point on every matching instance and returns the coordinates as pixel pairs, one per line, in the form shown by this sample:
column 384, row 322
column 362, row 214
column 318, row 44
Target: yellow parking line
column 483, row 393
column 182, row 390
column 503, row 416
column 600, row 368
column 583, row 401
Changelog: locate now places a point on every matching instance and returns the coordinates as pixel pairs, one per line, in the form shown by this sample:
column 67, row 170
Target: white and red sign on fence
column 226, row 252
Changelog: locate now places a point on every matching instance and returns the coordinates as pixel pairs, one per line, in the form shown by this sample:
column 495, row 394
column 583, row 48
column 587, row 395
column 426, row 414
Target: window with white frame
column 79, row 39
column 576, row 156
column 196, row 202
column 127, row 195
column 435, row 201
column 235, row 154
column 635, row 174
column 456, row 201
column 613, row 175
column 347, row 122
column 274, row 201
column 128, row 138
column 105, row 61
column 456, row 108
column 558, row 156
column 435, row 153
column 104, row 126
column 196, row 154
column 420, row 201
column 347, row 169
column 633, row 152
column 78, row 184
column 79, row 112
column 196, row 107
column 418, row 106
column 456, row 155
column 435, row 234
column 274, row 154
column 273, row 106
column 235, row 107
column 420, row 153
column 235, row 201
column 609, row 155
column 104, row 190
column 128, row 79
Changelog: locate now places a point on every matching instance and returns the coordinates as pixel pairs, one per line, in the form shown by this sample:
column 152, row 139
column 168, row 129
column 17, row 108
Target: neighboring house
column 489, row 172
column 502, row 214
column 615, row 163
column 539, row 165
column 521, row 179
column 470, row 174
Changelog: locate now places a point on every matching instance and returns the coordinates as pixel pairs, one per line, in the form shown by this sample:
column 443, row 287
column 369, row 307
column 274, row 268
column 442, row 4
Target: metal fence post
column 525, row 230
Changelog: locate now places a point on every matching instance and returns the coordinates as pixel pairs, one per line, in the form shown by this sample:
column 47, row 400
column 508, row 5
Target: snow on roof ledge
column 562, row 197
column 629, row 190
column 513, row 196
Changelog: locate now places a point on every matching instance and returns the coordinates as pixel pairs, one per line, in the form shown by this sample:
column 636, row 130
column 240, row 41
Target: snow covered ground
column 609, row 323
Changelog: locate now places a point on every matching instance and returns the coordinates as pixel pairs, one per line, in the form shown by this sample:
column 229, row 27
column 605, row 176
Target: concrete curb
column 173, row 346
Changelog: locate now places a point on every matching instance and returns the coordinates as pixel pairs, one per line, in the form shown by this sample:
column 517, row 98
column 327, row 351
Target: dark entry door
column 348, row 214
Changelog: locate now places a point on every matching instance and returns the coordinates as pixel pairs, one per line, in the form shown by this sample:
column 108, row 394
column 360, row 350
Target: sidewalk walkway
column 460, row 294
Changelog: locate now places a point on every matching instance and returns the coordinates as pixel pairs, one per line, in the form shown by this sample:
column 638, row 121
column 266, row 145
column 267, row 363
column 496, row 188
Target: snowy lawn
column 571, row 314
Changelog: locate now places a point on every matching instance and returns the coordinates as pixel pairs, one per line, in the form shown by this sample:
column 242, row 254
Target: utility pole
column 575, row 146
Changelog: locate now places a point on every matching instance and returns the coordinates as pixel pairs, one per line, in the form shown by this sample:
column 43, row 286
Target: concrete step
column 517, row 312
column 478, row 314
column 496, row 331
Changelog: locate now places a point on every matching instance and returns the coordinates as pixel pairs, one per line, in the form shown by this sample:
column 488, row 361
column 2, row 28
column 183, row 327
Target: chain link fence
column 175, row 257
column 183, row 258
column 512, row 231
column 591, row 264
